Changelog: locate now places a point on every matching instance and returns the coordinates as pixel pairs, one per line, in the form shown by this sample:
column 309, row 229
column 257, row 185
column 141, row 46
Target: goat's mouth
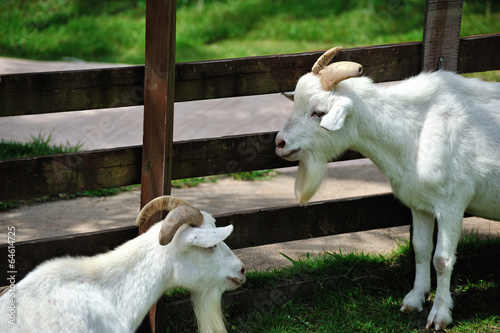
column 236, row 281
column 287, row 155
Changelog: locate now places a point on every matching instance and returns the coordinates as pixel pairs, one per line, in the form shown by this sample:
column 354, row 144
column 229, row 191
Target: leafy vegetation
column 255, row 175
column 37, row 146
column 113, row 30
column 245, row 176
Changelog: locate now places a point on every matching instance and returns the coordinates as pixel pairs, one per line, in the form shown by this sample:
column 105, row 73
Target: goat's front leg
column 423, row 228
column 449, row 228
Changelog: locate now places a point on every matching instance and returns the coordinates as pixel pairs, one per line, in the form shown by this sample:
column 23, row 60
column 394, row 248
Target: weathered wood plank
column 282, row 224
column 69, row 173
column 441, row 38
column 36, row 93
column 273, row 74
column 479, row 54
column 251, row 228
column 226, row 155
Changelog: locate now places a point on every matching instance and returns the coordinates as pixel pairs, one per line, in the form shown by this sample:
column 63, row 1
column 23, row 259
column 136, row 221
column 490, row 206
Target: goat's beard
column 208, row 310
column 309, row 176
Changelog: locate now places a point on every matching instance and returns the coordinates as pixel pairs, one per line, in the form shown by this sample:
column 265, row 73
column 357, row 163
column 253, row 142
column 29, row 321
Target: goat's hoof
column 413, row 302
column 409, row 309
column 440, row 317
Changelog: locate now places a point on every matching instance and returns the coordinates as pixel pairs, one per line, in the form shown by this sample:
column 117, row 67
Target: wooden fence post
column 441, row 37
column 159, row 83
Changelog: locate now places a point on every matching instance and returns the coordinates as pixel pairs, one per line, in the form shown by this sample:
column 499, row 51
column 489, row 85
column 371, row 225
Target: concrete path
column 108, row 128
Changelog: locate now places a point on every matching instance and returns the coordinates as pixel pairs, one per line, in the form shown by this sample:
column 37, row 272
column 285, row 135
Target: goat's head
column 201, row 262
column 318, row 129
column 207, row 262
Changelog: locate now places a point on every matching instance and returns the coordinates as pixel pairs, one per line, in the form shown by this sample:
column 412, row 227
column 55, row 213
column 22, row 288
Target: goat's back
column 457, row 124
column 53, row 299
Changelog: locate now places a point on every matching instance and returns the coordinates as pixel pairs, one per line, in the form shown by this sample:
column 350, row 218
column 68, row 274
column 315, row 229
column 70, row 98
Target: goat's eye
column 317, row 114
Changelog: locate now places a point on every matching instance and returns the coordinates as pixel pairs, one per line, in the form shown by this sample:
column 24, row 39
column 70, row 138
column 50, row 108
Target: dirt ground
column 122, row 127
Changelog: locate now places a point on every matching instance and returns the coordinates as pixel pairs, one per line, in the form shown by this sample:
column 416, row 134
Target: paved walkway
column 108, row 128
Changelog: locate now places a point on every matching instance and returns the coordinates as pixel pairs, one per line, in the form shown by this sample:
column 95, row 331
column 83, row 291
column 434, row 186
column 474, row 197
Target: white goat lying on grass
column 436, row 137
column 112, row 292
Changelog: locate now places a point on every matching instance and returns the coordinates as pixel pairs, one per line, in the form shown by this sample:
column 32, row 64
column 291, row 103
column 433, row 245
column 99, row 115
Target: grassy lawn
column 363, row 293
column 37, row 146
column 113, row 31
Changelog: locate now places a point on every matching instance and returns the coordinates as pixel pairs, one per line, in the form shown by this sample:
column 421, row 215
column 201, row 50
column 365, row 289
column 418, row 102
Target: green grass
column 363, row 293
column 37, row 146
column 255, row 175
column 193, row 182
column 113, row 31
column 244, row 176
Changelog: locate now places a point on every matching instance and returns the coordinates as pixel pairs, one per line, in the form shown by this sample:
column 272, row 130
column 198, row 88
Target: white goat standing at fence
column 436, row 137
column 112, row 292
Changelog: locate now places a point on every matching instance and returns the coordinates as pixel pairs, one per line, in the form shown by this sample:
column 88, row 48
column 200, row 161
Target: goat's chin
column 309, row 176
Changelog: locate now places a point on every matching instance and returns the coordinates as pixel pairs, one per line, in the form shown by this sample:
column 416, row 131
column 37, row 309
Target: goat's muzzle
column 237, row 281
column 283, row 151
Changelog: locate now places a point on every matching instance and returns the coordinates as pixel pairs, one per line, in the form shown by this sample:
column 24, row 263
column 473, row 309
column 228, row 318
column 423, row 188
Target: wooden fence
column 159, row 84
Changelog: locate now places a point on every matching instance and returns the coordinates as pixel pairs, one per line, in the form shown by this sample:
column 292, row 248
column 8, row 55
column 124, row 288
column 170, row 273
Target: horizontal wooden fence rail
column 479, row 54
column 251, row 228
column 76, row 172
column 317, row 219
column 35, row 93
column 68, row 173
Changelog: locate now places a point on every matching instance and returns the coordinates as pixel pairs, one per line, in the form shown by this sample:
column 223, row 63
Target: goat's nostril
column 281, row 144
column 242, row 271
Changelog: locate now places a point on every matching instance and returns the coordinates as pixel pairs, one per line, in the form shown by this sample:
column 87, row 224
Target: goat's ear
column 335, row 118
column 208, row 237
column 289, row 94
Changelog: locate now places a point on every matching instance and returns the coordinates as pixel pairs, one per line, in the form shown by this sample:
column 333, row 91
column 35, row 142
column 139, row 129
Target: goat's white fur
column 112, row 292
column 436, row 137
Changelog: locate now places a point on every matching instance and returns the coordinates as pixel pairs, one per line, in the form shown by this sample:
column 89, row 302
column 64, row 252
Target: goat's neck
column 387, row 131
column 135, row 275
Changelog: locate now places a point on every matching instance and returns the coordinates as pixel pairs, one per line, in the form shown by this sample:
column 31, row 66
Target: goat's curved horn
column 159, row 204
column 177, row 217
column 334, row 73
column 339, row 71
column 180, row 212
column 325, row 58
